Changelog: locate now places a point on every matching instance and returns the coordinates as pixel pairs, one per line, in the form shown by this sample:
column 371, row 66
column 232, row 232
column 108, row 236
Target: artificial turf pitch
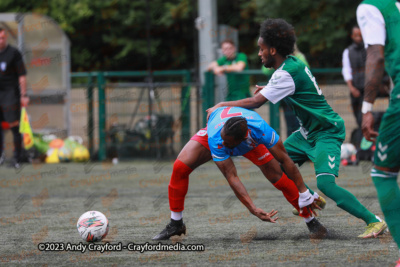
column 41, row 203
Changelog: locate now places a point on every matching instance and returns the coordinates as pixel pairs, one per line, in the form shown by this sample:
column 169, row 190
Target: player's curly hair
column 279, row 34
column 236, row 127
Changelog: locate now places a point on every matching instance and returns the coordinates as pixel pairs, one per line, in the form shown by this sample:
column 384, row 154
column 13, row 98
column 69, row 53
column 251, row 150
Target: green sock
column 389, row 198
column 312, row 192
column 344, row 199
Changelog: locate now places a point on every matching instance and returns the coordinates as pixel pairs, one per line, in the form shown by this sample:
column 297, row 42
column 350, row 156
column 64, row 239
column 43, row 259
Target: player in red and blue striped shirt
column 236, row 131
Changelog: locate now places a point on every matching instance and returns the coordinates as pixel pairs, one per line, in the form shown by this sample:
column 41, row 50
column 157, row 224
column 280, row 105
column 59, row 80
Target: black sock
column 312, row 221
column 17, row 143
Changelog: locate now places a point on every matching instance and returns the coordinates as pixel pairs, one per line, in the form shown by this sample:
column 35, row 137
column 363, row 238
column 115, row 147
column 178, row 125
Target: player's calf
column 178, row 185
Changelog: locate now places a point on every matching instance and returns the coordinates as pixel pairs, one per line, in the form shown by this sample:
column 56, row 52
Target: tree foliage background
column 111, row 34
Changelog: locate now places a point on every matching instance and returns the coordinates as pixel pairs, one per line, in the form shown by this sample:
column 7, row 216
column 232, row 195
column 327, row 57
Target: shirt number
column 224, row 113
column 313, row 80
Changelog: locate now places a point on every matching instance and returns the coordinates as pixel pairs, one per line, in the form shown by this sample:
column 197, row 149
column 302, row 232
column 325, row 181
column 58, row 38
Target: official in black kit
column 12, row 95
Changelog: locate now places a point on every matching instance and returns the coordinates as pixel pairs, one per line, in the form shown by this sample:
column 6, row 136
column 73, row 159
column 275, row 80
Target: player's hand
column 24, row 101
column 367, row 127
column 307, row 201
column 354, row 91
column 258, row 89
column 311, row 209
column 219, row 70
column 265, row 216
column 211, row 110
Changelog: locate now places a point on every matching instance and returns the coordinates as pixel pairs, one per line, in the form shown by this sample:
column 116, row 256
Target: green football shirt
column 294, row 83
column 238, row 85
column 379, row 22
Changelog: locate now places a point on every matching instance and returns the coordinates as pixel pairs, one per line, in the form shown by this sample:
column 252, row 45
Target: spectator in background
column 354, row 59
column 353, row 71
column 292, row 124
column 12, row 95
column 231, row 61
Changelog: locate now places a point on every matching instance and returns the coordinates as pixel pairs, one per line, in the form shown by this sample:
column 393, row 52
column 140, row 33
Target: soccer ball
column 92, row 226
column 347, row 151
column 64, row 154
column 80, row 154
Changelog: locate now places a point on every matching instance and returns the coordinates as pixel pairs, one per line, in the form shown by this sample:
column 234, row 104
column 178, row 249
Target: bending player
column 238, row 131
column 379, row 24
column 321, row 132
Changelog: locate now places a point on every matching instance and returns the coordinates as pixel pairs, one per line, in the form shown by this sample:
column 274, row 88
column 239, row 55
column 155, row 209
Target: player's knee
column 180, row 173
column 272, row 171
column 277, row 171
column 181, row 168
column 175, row 167
column 275, row 176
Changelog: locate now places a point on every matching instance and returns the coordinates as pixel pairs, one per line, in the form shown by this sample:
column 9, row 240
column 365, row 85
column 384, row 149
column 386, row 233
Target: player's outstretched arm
column 305, row 197
column 250, row 103
column 228, row 169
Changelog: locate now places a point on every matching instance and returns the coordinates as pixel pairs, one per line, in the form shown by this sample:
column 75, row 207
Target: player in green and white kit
column 321, row 132
column 379, row 22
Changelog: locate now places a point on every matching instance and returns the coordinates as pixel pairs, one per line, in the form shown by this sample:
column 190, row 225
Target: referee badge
column 3, row 66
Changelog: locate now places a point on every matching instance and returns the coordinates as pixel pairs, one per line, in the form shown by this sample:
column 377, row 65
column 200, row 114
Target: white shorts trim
column 325, row 173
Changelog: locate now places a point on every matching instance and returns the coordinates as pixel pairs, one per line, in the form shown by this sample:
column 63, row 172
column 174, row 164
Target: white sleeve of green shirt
column 279, row 86
column 372, row 25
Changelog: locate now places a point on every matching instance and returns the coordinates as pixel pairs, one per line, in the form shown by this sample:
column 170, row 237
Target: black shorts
column 10, row 112
column 10, row 104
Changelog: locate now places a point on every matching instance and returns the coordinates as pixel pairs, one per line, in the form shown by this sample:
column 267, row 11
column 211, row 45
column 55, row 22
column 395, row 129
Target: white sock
column 309, row 219
column 176, row 215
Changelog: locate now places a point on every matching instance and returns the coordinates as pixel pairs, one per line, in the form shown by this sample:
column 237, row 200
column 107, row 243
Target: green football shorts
column 324, row 153
column 387, row 152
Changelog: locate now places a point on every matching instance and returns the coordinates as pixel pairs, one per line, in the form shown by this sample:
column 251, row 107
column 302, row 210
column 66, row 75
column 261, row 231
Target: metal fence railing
column 116, row 112
column 121, row 116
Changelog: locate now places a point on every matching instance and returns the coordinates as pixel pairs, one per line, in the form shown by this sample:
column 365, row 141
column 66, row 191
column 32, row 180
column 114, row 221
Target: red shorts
column 259, row 155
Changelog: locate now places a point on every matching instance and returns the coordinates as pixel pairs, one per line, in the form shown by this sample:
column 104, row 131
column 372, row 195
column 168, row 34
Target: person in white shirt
column 353, row 60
